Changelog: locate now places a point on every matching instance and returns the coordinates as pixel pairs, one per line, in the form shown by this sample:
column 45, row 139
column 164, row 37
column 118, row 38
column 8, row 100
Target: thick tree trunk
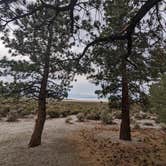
column 125, row 133
column 41, row 111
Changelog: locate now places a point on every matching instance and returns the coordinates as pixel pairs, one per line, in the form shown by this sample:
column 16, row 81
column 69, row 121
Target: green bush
column 106, row 117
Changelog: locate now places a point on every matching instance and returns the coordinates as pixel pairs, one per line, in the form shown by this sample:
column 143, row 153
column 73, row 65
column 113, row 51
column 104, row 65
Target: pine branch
column 128, row 31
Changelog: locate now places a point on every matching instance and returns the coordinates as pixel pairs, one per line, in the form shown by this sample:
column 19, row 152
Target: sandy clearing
column 56, row 149
column 66, row 144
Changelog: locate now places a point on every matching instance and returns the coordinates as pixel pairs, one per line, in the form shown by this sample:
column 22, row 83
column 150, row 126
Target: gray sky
column 82, row 88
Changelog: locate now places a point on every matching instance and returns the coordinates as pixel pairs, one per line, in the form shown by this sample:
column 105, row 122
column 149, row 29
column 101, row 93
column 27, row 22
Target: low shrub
column 163, row 126
column 12, row 116
column 117, row 115
column 148, row 124
column 136, row 126
column 140, row 116
column 74, row 112
column 81, row 117
column 69, row 120
column 23, row 112
column 106, row 117
column 65, row 113
column 94, row 115
column 4, row 111
column 53, row 114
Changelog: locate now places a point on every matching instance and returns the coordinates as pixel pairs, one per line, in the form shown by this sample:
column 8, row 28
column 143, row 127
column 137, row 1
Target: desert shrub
column 30, row 109
column 53, row 114
column 93, row 115
column 4, row 111
column 135, row 108
column 140, row 116
column 69, row 120
column 25, row 113
column 157, row 120
column 12, row 116
column 74, row 112
column 136, row 126
column 106, row 117
column 148, row 124
column 65, row 113
column 163, row 126
column 81, row 117
column 86, row 111
column 22, row 112
column 116, row 115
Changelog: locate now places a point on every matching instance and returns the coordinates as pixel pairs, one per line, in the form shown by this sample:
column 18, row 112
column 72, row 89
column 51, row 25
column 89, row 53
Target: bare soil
column 80, row 144
column 56, row 149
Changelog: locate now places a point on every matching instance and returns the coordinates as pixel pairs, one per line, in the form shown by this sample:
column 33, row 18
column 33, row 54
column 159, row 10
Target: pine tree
column 123, row 67
column 46, row 71
column 157, row 98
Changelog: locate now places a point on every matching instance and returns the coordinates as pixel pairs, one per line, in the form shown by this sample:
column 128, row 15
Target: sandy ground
column 57, row 149
column 80, row 144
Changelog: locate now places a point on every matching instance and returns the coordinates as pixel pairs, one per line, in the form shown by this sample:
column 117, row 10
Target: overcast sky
column 82, row 88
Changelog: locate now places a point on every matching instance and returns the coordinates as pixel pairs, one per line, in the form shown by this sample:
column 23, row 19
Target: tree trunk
column 39, row 124
column 125, row 133
column 41, row 111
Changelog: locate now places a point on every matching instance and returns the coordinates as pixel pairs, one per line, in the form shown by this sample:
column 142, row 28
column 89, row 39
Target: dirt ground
column 79, row 144
column 56, row 149
column 101, row 143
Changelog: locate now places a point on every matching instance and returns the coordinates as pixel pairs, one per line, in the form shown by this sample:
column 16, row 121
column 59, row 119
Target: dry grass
column 64, row 108
column 148, row 147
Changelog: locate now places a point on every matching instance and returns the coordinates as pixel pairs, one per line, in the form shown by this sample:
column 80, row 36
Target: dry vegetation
column 94, row 141
column 54, row 109
column 148, row 147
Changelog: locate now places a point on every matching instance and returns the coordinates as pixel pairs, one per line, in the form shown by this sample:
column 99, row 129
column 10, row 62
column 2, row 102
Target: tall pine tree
column 43, row 39
column 122, row 68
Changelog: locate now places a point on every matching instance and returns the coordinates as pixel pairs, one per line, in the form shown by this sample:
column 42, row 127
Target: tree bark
column 41, row 111
column 125, row 133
